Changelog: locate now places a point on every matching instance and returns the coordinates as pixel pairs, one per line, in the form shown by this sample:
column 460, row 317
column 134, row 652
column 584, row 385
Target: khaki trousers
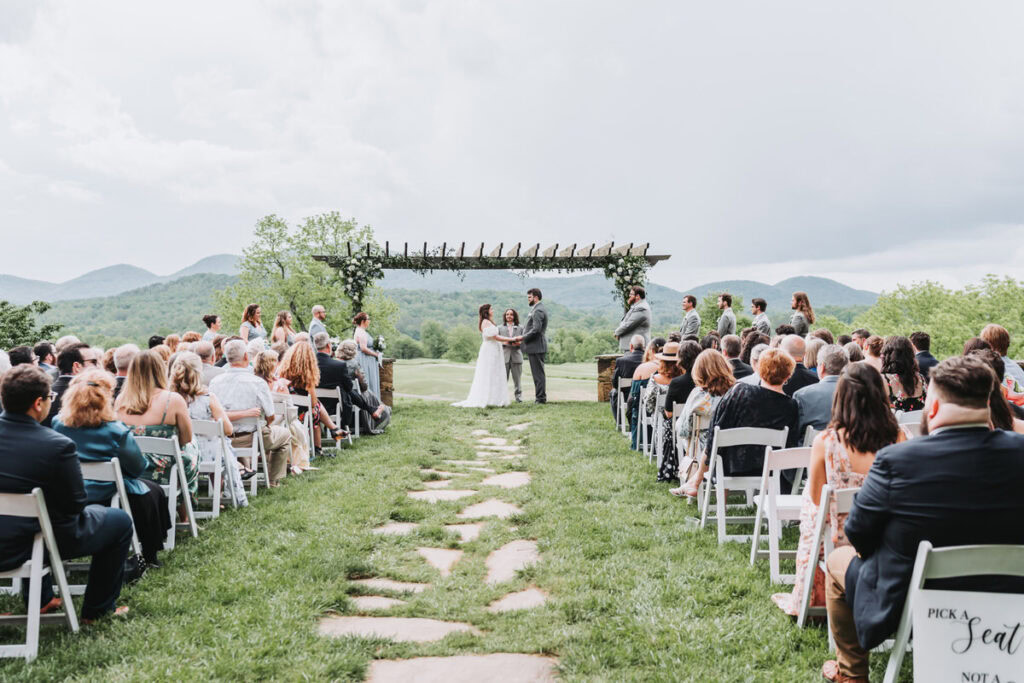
column 852, row 658
column 276, row 442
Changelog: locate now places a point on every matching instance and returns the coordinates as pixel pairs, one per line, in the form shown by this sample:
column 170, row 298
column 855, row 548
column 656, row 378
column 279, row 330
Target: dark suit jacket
column 740, row 369
column 335, row 373
column 32, row 455
column 625, row 366
column 925, row 362
column 801, row 378
column 60, row 386
column 957, row 487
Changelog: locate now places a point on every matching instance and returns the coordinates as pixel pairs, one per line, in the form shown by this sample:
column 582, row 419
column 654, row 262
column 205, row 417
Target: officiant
column 513, row 353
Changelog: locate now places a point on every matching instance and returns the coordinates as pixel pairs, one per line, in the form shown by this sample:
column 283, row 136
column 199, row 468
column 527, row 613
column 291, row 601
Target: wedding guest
column 873, row 351
column 46, row 355
column 206, row 353
column 1000, row 409
column 317, row 325
column 368, row 424
column 21, row 355
column 68, row 340
column 190, row 337
column 731, row 350
column 154, row 341
column 510, row 327
column 122, row 359
column 853, row 350
column 976, row 344
column 299, row 374
column 641, row 376
column 727, row 321
column 171, row 341
column 761, row 322
column 755, row 357
column 252, row 325
column 279, row 348
column 812, row 346
column 369, row 360
column 815, row 400
column 147, row 406
column 636, row 320
column 264, row 365
column 748, row 345
column 999, row 339
column 70, row 362
column 861, row 336
column 255, row 347
column 682, row 385
column 906, row 387
column 650, row 364
column 87, row 418
column 673, row 337
column 784, row 330
column 922, row 343
column 764, row 405
column 800, row 376
column 843, row 339
column 711, row 340
column 803, row 315
column 957, row 486
column 713, row 379
column 657, row 387
column 859, row 426
column 691, row 318
column 163, row 352
column 282, row 330
column 212, row 322
column 334, row 373
column 107, row 361
column 80, row 529
column 824, row 335
column 218, row 349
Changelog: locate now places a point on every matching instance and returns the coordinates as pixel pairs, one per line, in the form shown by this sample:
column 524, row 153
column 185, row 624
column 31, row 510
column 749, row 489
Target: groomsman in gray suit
column 513, row 352
column 637, row 320
column 691, row 321
column 535, row 343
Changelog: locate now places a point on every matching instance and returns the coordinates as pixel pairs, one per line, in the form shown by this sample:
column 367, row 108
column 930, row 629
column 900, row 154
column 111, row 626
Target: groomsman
column 727, row 321
column 513, row 353
column 691, row 321
column 761, row 322
column 637, row 320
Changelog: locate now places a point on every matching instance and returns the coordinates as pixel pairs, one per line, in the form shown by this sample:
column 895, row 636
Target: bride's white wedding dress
column 490, row 386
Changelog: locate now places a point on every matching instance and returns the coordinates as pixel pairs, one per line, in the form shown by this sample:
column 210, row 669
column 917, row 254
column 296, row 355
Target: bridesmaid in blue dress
column 368, row 358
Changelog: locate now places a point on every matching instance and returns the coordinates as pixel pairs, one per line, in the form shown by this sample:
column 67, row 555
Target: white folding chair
column 914, row 428
column 844, row 501
column 306, row 403
column 657, row 446
column 947, row 563
column 622, row 397
column 677, row 409
column 777, row 507
column 177, row 485
column 257, row 459
column 106, row 471
column 642, row 423
column 33, row 506
column 809, row 435
column 218, row 467
column 334, row 394
column 909, row 418
column 698, row 423
column 723, row 438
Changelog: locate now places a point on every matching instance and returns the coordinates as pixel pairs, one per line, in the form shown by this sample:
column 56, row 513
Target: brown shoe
column 830, row 672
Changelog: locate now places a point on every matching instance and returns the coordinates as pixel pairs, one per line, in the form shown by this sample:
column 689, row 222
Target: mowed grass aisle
column 635, row 592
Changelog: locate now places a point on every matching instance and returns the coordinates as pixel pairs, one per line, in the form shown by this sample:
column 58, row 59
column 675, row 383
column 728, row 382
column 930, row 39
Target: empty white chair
column 948, row 563
column 33, row 506
column 621, row 398
column 177, row 484
column 776, row 507
column 723, row 438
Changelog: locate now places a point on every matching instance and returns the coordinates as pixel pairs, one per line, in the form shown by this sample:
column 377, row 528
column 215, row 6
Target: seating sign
column 968, row 637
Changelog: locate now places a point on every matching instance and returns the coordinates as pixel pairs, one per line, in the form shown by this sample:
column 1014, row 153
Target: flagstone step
column 505, row 667
column 524, row 599
column 493, row 441
column 503, row 563
column 367, row 603
column 399, row 629
column 489, row 508
column 508, row 480
column 441, row 559
column 435, row 496
column 519, row 427
column 468, row 532
column 392, row 585
column 438, row 483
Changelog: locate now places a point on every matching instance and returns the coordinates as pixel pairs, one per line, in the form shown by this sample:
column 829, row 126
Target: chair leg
column 186, row 498
column 172, row 504
column 217, row 481
column 774, row 529
column 720, row 509
column 755, row 542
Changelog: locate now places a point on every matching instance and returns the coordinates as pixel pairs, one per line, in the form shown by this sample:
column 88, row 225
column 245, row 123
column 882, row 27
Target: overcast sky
column 871, row 142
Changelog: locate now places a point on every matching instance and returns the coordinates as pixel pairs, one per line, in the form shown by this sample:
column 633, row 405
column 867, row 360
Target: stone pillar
column 387, row 381
column 605, row 368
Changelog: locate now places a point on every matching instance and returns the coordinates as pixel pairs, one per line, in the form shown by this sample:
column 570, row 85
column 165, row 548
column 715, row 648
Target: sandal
column 118, row 612
column 830, row 672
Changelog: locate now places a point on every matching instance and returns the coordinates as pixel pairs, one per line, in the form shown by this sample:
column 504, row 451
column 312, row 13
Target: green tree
column 710, row 313
column 278, row 272
column 433, row 338
column 463, row 344
column 407, row 347
column 18, row 324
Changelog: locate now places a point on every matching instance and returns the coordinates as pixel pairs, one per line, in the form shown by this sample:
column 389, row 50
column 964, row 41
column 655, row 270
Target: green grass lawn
column 637, row 594
column 444, row 380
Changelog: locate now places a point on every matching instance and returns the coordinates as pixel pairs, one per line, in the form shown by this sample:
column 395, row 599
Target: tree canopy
column 18, row 324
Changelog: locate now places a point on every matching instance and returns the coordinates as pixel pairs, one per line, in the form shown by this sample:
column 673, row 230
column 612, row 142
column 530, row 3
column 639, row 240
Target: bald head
column 793, row 344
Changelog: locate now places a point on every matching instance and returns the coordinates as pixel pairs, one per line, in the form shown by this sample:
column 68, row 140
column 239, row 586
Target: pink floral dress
column 839, row 474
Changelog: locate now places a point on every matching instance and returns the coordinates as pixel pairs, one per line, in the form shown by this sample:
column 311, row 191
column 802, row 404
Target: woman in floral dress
column 905, row 384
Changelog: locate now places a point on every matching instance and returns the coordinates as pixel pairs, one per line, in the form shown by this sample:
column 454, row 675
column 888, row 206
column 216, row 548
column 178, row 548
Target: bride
column 490, row 386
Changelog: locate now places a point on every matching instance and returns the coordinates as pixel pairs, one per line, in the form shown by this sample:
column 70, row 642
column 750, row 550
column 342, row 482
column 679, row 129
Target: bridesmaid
column 368, row 358
column 252, row 324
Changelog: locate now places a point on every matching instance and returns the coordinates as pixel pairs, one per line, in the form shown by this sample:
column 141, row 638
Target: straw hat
column 669, row 352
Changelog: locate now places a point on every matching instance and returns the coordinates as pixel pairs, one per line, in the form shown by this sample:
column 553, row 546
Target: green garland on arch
column 626, row 272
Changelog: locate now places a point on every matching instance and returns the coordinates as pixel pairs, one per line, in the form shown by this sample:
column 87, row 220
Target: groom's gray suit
column 535, row 346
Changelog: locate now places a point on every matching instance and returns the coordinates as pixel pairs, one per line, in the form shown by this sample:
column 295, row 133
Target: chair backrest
column 333, row 393
column 157, row 445
column 973, row 560
column 21, row 504
column 786, row 459
column 302, row 401
column 844, row 499
column 909, row 418
column 809, row 435
column 209, row 429
column 913, row 428
column 100, row 470
column 677, row 409
column 750, row 436
column 624, row 384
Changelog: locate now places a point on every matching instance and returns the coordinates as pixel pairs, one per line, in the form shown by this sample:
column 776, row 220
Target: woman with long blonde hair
column 282, row 330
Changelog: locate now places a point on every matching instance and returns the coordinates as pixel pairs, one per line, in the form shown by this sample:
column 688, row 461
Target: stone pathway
column 502, row 566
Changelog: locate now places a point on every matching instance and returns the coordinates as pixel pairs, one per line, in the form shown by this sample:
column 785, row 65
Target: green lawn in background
column 444, row 380
column 636, row 593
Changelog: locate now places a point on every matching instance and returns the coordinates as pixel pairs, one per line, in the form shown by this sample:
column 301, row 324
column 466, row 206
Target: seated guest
column 748, row 345
column 255, row 347
column 80, row 529
column 957, row 486
column 334, row 373
column 999, row 339
column 65, row 341
column 641, row 376
column 755, row 357
column 204, row 350
column 625, row 365
column 1001, row 410
column 785, row 330
column 747, row 405
column 212, row 323
column 190, row 337
column 815, row 401
column 761, row 322
column 873, row 351
column 657, row 388
column 824, row 335
column 650, row 364
column 713, row 378
column 150, row 409
column 22, row 355
column 861, row 336
column 187, row 381
column 218, row 347
column 683, row 383
column 163, row 352
column 107, row 362
column 87, row 418
column 854, row 352
column 348, row 352
column 976, row 344
column 711, row 340
column 731, row 350
column 122, row 359
column 906, row 386
column 841, row 456
column 801, row 376
column 280, row 348
column 298, row 374
column 843, row 339
column 812, row 346
column 922, row 344
column 246, row 398
column 171, row 341
column 46, row 355
column 155, row 340
column 70, row 362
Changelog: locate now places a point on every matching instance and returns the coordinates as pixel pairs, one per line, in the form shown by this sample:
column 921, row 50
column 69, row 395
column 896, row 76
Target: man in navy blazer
column 922, row 344
column 31, row 456
column 960, row 485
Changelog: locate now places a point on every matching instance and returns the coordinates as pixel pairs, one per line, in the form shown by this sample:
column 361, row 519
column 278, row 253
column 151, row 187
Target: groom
column 535, row 345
